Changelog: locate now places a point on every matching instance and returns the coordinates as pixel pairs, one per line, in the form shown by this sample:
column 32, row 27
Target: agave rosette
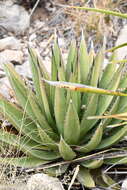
column 53, row 122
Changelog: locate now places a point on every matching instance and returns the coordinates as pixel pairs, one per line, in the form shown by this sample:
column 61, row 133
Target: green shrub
column 53, row 124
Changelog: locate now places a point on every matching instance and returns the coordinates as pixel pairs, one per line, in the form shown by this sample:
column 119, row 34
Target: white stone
column 121, row 53
column 9, row 43
column 13, row 187
column 5, row 87
column 32, row 37
column 7, row 56
column 44, row 182
column 61, row 42
column 24, row 69
column 13, row 18
column 124, row 185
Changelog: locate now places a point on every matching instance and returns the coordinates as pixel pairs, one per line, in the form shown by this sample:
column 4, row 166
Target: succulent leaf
column 66, row 151
column 110, row 140
column 104, row 101
column 72, row 59
column 116, row 161
column 19, row 119
column 46, row 140
column 97, row 68
column 60, row 109
column 93, row 164
column 85, row 178
column 110, row 182
column 71, row 125
column 54, row 123
column 39, row 87
column 94, row 141
column 86, row 124
column 83, row 60
column 25, row 162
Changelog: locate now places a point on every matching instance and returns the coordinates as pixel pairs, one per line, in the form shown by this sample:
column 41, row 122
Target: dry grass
column 96, row 25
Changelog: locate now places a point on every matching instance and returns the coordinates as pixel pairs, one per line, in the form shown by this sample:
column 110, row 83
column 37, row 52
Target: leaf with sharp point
column 116, row 161
column 36, row 76
column 84, row 88
column 40, row 117
column 19, row 119
column 109, row 141
column 86, row 124
column 71, row 61
column 123, row 82
column 43, row 70
column 104, row 101
column 91, row 56
column 27, row 99
column 85, row 178
column 60, row 109
column 74, row 96
column 44, row 154
column 46, row 140
column 71, row 125
column 84, row 63
column 25, row 96
column 28, row 146
column 22, row 142
column 122, row 106
column 113, row 110
column 61, row 73
column 110, row 182
column 24, row 162
column 56, row 63
column 39, row 87
column 20, row 89
column 94, row 141
column 93, row 164
column 97, row 68
column 107, row 75
column 65, row 150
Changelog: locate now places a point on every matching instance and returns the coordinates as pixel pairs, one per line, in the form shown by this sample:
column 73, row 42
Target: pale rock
column 121, row 53
column 47, row 64
column 13, row 187
column 24, row 69
column 32, row 37
column 61, row 42
column 7, row 56
column 13, row 17
column 5, row 87
column 2, row 73
column 124, row 185
column 44, row 182
column 9, row 43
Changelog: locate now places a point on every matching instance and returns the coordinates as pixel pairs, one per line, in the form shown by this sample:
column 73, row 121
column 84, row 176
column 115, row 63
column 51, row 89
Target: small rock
column 15, row 56
column 13, row 187
column 5, row 88
column 61, row 42
column 13, row 17
column 121, row 53
column 24, row 69
column 32, row 37
column 44, row 182
column 9, row 43
column 124, row 185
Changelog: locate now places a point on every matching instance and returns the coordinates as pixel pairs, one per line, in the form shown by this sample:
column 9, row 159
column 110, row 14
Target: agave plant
column 53, row 123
